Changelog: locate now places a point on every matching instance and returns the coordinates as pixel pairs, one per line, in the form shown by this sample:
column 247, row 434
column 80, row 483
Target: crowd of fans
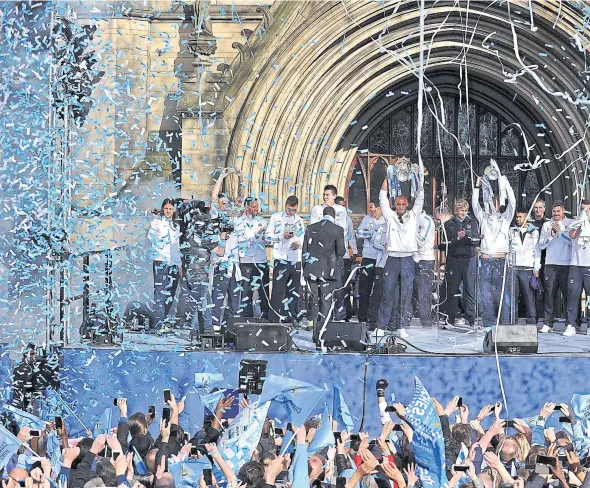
column 483, row 450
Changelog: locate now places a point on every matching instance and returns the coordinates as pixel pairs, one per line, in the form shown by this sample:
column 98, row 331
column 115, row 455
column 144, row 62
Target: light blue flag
column 9, row 444
column 324, row 436
column 207, row 380
column 210, row 400
column 187, row 474
column 241, row 438
column 581, row 405
column 140, row 467
column 25, row 419
column 53, row 449
column 50, row 405
column 297, row 397
column 340, row 410
column 103, row 426
column 463, row 454
column 429, row 445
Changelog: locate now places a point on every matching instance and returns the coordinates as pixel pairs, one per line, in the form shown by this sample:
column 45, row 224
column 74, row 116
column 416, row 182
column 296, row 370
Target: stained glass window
column 472, row 136
column 401, row 132
column 488, row 134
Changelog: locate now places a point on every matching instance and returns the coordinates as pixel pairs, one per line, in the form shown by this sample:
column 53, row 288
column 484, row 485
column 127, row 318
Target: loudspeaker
column 350, row 336
column 512, row 339
column 230, row 326
column 210, row 342
column 262, row 337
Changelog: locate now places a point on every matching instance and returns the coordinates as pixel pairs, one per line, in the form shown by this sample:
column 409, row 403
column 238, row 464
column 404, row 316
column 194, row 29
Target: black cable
column 364, row 396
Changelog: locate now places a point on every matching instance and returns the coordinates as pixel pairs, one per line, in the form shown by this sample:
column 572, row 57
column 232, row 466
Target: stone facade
column 291, row 88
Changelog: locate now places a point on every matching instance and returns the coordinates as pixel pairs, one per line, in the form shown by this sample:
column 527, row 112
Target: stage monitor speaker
column 262, row 337
column 512, row 339
column 349, row 336
column 230, row 326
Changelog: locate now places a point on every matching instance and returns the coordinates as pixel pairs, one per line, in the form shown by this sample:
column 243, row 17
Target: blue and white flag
column 187, row 474
column 340, row 410
column 324, row 436
column 25, row 419
column 581, row 405
column 207, row 380
column 240, row 439
column 429, row 445
column 9, row 444
column 103, row 426
column 298, row 398
column 210, row 400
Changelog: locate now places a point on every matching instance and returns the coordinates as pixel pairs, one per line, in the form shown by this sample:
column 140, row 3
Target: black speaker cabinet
column 262, row 337
column 512, row 339
column 348, row 336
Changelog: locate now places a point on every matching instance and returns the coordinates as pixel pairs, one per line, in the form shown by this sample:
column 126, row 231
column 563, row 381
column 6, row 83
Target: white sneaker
column 403, row 334
column 545, row 329
column 570, row 331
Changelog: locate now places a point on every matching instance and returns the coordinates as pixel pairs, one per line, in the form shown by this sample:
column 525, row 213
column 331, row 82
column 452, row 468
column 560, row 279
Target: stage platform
column 421, row 341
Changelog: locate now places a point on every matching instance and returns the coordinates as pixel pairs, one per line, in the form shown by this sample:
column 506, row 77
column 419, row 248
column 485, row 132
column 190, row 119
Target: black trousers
column 255, row 276
column 375, row 300
column 321, row 298
column 366, row 281
column 343, row 308
column 556, row 279
column 286, row 291
column 457, row 271
column 579, row 279
column 524, row 290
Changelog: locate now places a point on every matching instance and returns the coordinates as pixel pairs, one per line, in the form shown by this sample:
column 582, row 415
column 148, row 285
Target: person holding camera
column 285, row 231
column 164, row 235
column 201, row 236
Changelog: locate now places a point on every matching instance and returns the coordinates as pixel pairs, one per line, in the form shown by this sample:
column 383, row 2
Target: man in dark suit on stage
column 323, row 246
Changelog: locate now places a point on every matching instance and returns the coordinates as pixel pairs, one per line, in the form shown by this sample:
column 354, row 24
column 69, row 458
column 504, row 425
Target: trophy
column 492, row 171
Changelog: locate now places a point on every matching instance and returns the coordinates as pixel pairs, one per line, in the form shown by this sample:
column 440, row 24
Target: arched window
column 468, row 139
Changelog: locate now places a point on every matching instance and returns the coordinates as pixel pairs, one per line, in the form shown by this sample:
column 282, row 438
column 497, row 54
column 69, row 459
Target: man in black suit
column 323, row 247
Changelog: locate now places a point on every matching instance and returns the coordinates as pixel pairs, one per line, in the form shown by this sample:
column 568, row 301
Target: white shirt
column 558, row 246
column 250, row 234
column 523, row 243
column 494, row 227
column 280, row 223
column 366, row 230
column 230, row 257
column 317, row 215
column 425, row 238
column 377, row 242
column 165, row 239
column 349, row 239
column 400, row 239
column 581, row 244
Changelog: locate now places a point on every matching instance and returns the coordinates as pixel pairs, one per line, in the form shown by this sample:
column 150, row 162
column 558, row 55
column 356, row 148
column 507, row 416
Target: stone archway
column 300, row 100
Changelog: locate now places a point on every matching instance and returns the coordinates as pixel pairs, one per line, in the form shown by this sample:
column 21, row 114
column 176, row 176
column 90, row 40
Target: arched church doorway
column 445, row 151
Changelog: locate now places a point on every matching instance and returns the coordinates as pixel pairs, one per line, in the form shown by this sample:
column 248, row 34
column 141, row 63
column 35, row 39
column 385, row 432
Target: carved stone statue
column 203, row 22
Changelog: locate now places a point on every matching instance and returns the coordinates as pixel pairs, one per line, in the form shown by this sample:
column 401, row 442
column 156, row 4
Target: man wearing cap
column 555, row 240
column 527, row 261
